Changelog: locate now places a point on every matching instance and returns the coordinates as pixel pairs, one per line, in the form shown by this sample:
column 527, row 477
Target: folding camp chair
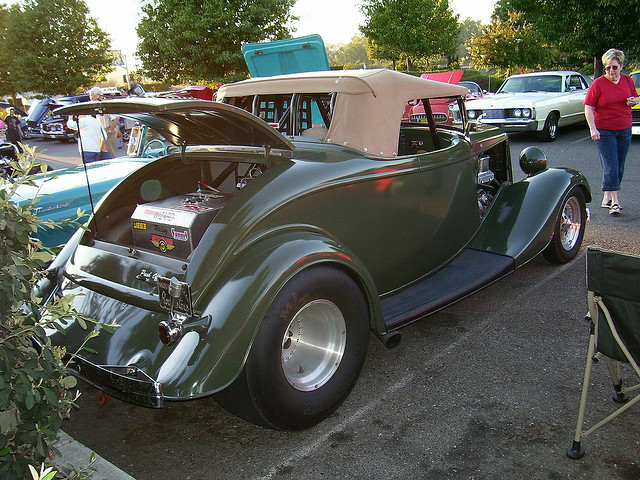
column 614, row 312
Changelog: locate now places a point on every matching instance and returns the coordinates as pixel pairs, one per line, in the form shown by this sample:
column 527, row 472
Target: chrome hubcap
column 313, row 345
column 571, row 223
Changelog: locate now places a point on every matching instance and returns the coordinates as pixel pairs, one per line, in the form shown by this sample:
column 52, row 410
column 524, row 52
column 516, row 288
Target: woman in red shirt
column 607, row 108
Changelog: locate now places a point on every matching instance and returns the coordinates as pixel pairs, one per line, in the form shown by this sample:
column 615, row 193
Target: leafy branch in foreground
column 36, row 392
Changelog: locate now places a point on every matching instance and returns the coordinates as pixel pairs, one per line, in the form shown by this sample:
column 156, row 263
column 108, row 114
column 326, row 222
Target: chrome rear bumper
column 127, row 383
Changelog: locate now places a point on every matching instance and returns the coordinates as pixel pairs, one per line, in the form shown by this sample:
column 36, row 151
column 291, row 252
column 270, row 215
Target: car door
column 576, row 91
column 448, row 209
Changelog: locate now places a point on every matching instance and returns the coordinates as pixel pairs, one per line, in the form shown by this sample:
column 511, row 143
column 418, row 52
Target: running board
column 471, row 271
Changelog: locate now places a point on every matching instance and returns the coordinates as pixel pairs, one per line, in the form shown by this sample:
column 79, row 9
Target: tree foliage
column 508, row 44
column 200, row 40
column 581, row 28
column 51, row 47
column 351, row 55
column 468, row 28
column 410, row 29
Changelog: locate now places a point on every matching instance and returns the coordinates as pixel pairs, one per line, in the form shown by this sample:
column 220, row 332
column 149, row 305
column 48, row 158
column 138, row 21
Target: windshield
column 146, row 142
column 636, row 79
column 533, row 83
column 473, row 87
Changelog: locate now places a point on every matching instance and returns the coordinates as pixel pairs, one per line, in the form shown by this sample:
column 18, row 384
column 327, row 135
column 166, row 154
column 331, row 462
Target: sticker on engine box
column 139, row 225
column 164, row 244
column 183, row 236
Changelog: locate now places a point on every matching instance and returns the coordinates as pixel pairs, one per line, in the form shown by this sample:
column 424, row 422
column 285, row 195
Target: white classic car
column 539, row 102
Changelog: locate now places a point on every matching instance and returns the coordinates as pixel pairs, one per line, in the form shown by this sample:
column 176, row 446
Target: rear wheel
column 569, row 229
column 307, row 354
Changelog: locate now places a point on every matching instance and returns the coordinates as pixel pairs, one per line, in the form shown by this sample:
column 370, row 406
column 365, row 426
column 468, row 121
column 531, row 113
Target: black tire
column 550, row 129
column 569, row 229
column 327, row 307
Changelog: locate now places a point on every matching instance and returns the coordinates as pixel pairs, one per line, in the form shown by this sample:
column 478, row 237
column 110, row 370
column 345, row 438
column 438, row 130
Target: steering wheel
column 148, row 154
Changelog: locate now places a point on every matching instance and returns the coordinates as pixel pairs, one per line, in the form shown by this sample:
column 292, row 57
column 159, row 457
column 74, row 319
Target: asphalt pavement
column 486, row 389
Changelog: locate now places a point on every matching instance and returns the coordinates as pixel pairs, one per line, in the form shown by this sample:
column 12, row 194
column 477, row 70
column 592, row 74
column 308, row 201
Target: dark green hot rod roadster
column 298, row 215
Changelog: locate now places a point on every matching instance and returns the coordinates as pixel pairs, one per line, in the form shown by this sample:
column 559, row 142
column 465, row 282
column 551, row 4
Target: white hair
column 613, row 54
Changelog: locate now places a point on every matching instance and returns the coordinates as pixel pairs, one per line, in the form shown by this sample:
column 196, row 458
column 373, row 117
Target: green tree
column 410, row 29
column 468, row 28
column 52, row 47
column 5, row 85
column 508, row 45
column 351, row 55
column 583, row 28
column 201, row 40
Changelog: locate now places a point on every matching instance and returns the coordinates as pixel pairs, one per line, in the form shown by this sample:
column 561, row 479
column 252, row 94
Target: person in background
column 607, row 108
column 14, row 132
column 92, row 142
column 108, row 122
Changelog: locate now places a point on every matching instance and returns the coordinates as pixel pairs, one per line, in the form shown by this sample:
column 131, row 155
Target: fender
column 239, row 299
column 521, row 220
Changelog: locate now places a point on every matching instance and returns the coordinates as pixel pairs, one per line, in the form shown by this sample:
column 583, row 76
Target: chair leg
column 576, row 450
column 615, row 370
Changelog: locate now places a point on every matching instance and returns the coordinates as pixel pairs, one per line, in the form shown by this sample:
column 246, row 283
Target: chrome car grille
column 56, row 127
column 422, row 118
column 491, row 114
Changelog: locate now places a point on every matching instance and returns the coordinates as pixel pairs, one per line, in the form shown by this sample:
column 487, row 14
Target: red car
column 414, row 111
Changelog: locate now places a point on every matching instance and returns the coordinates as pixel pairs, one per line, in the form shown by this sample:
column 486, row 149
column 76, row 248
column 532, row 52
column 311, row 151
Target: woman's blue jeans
column 613, row 147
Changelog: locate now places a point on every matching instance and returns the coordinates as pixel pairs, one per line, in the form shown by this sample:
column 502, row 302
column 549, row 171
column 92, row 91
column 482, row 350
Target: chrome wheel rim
column 571, row 223
column 313, row 345
column 553, row 127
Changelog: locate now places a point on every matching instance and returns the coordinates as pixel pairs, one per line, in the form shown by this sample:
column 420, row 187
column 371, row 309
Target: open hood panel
column 190, row 122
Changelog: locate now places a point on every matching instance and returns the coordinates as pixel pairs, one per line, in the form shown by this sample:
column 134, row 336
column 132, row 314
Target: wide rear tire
column 307, row 354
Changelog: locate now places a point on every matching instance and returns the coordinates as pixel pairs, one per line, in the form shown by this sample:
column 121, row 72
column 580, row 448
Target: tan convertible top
column 368, row 109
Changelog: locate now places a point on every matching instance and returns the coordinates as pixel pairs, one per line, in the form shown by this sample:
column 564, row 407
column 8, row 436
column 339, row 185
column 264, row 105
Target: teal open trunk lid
column 291, row 55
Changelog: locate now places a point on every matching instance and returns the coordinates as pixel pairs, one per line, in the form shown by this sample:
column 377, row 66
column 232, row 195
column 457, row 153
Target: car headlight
column 519, row 113
column 472, row 113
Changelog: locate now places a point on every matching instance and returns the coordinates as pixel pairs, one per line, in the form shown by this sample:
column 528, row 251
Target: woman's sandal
column 615, row 209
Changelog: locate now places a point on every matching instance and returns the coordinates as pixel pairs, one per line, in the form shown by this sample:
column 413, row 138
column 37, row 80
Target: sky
column 335, row 20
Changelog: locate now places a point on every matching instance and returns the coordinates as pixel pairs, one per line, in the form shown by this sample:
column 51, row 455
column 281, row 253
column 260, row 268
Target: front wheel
column 569, row 229
column 550, row 129
column 307, row 354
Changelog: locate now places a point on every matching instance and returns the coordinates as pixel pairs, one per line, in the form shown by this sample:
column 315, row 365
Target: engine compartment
column 493, row 170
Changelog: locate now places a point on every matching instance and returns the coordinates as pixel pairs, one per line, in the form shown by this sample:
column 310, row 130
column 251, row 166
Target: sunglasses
column 611, row 67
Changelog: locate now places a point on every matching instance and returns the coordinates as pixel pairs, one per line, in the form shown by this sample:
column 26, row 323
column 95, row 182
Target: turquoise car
column 253, row 263
column 62, row 192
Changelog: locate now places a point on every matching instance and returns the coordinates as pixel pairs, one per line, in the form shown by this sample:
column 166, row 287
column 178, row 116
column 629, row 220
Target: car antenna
column 86, row 174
